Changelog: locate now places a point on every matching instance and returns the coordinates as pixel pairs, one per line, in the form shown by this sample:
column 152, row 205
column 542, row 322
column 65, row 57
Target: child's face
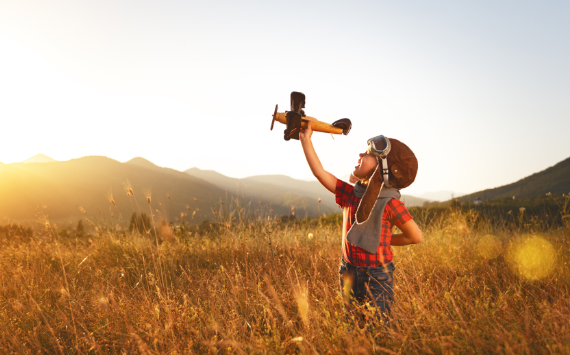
column 366, row 165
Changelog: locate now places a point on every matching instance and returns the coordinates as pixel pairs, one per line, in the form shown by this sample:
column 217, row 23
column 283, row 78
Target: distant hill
column 313, row 189
column 58, row 189
column 555, row 179
column 276, row 189
column 411, row 201
column 442, row 195
column 278, row 186
column 143, row 163
column 39, row 158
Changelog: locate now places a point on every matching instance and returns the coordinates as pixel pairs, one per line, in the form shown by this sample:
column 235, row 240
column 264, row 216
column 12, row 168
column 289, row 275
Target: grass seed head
column 110, row 197
column 147, row 194
column 128, row 188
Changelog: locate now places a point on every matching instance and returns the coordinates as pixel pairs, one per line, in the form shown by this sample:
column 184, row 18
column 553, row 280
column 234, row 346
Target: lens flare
column 489, row 247
column 534, row 258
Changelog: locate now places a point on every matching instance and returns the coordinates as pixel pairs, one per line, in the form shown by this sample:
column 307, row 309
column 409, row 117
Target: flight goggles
column 379, row 146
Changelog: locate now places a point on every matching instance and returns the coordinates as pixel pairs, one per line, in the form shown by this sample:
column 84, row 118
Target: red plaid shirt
column 395, row 213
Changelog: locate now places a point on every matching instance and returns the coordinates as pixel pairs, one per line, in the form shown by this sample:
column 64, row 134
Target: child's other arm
column 411, row 234
column 327, row 179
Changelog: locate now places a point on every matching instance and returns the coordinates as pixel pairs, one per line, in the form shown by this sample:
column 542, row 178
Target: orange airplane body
column 296, row 120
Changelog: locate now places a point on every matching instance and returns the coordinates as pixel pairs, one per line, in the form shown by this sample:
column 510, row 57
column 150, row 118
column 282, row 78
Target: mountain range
column 41, row 186
column 58, row 189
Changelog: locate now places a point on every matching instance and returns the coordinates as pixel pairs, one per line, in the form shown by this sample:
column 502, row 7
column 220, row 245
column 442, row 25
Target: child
column 370, row 209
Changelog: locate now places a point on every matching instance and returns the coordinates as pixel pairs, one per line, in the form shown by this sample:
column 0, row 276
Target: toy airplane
column 296, row 120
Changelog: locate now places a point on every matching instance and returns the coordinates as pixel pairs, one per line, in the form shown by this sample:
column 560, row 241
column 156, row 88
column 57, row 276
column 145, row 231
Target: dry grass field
column 271, row 286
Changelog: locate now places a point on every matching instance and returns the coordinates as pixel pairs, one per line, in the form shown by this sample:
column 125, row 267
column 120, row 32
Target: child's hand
column 305, row 135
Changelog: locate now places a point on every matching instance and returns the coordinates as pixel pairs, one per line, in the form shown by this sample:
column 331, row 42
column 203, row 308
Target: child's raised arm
column 327, row 179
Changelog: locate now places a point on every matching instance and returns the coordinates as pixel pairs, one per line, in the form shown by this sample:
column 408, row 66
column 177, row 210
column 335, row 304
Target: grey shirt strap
column 366, row 235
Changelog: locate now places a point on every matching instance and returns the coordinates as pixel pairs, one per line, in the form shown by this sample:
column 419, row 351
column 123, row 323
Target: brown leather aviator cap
column 403, row 167
column 402, row 163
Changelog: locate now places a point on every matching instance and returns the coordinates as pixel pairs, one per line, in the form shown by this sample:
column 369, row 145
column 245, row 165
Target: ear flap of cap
column 396, row 171
column 370, row 196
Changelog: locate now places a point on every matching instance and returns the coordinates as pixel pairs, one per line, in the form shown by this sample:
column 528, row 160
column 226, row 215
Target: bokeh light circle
column 489, row 247
column 534, row 258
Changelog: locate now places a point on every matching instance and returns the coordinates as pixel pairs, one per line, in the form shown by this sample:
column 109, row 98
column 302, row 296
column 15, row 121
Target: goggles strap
column 385, row 171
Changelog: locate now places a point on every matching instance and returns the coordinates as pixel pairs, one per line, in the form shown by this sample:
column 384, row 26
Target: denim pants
column 365, row 284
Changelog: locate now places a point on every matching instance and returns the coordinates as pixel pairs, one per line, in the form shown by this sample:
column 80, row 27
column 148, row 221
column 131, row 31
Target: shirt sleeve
column 342, row 192
column 398, row 214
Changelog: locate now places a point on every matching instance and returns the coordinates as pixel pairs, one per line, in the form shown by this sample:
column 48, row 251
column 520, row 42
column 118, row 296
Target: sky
column 479, row 90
